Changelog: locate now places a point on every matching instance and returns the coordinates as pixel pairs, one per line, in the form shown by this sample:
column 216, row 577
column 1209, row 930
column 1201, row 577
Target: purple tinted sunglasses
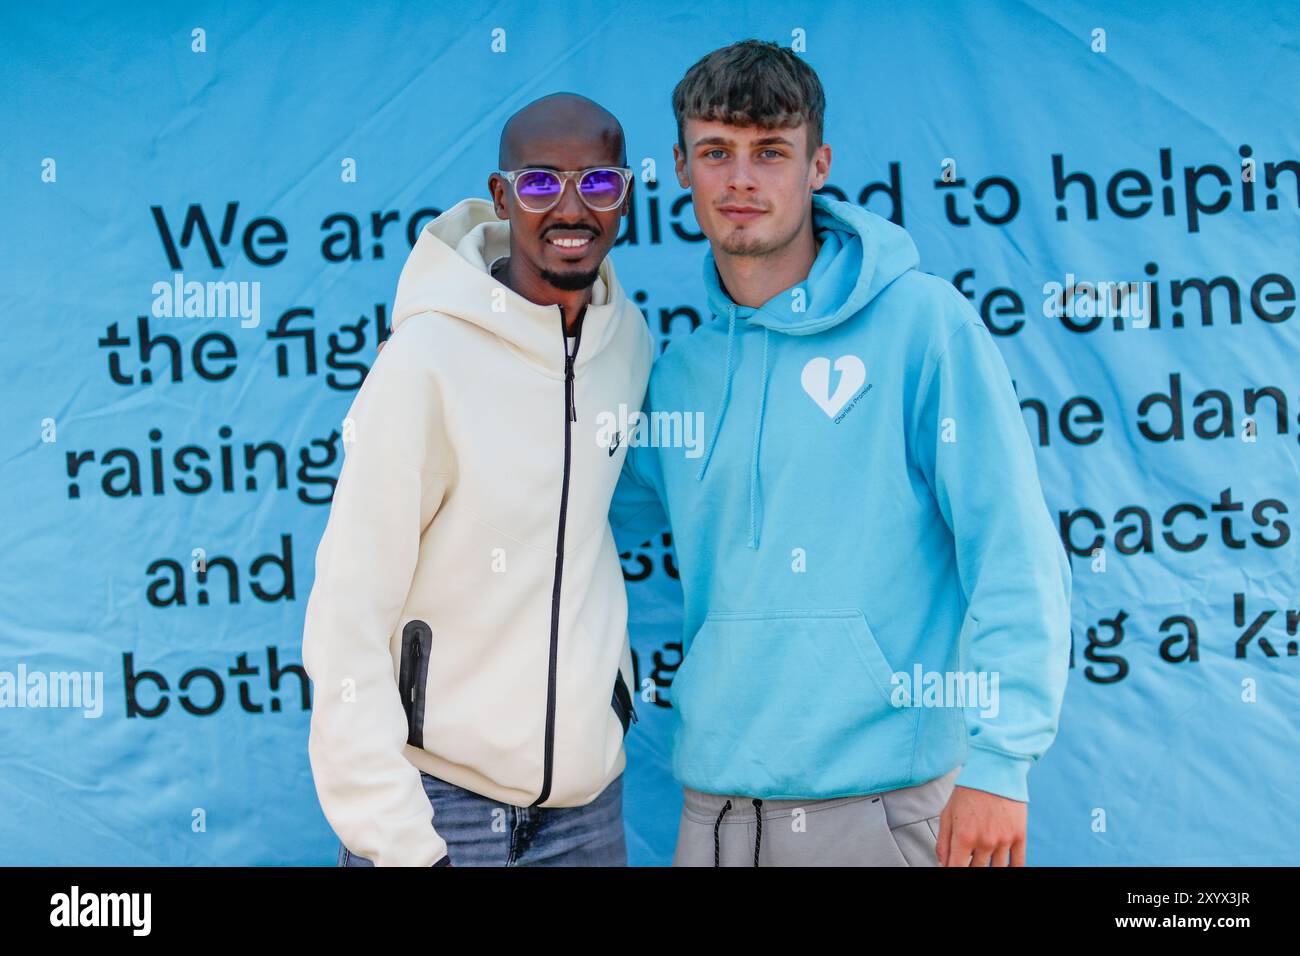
column 538, row 190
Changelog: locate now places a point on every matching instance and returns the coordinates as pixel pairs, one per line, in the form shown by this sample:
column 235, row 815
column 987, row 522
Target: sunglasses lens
column 602, row 188
column 537, row 188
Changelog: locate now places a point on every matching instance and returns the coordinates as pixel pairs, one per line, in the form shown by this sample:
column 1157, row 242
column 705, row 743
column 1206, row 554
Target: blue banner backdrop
column 297, row 150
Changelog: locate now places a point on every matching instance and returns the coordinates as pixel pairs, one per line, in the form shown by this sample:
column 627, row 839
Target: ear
column 679, row 166
column 497, row 187
column 821, row 166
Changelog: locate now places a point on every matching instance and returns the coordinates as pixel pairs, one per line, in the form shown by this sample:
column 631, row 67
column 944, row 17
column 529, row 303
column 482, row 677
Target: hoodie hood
column 448, row 271
column 861, row 254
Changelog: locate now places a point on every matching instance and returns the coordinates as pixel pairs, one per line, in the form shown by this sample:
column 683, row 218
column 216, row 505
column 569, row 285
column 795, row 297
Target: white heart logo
column 816, row 381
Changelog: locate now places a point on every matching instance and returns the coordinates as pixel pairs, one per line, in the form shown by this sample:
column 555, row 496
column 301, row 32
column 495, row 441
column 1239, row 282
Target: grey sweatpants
column 891, row 828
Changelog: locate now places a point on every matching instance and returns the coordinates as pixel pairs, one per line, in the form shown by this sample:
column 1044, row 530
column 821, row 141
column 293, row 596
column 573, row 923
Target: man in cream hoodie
column 467, row 629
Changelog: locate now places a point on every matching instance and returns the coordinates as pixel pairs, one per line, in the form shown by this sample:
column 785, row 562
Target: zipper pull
column 568, row 368
column 568, row 388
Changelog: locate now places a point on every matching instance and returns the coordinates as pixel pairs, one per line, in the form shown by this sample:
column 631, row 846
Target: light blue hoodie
column 865, row 525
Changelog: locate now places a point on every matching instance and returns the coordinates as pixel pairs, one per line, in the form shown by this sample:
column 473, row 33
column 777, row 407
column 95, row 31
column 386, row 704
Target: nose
column 741, row 175
column 570, row 208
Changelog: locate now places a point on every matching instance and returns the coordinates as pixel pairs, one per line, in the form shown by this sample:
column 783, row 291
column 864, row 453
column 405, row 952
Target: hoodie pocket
column 417, row 643
column 789, row 703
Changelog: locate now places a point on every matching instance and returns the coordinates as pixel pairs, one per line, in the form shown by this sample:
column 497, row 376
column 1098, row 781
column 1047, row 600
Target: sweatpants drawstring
column 717, row 846
column 717, row 827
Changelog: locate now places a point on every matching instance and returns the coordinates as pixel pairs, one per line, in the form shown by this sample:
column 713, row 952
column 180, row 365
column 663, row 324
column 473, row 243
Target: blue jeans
column 482, row 832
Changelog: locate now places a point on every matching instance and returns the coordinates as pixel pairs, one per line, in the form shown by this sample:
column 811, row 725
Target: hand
column 380, row 347
column 980, row 829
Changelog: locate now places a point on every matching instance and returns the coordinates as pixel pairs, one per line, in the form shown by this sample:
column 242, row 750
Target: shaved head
column 556, row 254
column 533, row 136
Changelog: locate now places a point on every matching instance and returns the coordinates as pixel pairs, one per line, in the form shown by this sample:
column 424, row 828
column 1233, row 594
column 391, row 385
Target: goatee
column 571, row 281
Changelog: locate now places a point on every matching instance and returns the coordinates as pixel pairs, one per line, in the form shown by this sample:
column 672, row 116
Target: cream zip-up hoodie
column 468, row 616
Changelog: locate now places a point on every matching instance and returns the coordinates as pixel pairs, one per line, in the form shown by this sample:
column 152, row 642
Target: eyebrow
column 725, row 141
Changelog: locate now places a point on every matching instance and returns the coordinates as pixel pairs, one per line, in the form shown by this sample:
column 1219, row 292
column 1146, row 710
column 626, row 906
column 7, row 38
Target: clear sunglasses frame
column 512, row 177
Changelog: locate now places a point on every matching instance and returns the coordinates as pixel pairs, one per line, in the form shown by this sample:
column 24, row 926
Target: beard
column 746, row 245
column 570, row 281
column 741, row 245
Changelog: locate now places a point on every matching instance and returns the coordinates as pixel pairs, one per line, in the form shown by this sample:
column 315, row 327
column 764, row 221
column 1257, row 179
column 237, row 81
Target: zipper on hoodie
column 415, row 666
column 414, row 675
column 570, row 416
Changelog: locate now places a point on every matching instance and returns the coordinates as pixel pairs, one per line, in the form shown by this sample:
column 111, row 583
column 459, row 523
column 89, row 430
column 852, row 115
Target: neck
column 753, row 280
column 518, row 277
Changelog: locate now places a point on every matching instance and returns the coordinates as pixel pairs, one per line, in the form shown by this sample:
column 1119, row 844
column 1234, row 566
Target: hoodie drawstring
column 726, row 394
column 753, row 464
column 717, row 826
column 725, row 399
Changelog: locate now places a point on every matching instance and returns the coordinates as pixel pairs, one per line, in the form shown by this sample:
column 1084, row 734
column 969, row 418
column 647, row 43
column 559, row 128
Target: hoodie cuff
column 442, row 852
column 1001, row 774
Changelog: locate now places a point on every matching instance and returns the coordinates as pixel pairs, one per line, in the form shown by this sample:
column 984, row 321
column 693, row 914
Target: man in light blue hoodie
column 876, row 604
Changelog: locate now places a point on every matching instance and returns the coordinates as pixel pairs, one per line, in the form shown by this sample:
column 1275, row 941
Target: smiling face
column 564, row 246
column 751, row 187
